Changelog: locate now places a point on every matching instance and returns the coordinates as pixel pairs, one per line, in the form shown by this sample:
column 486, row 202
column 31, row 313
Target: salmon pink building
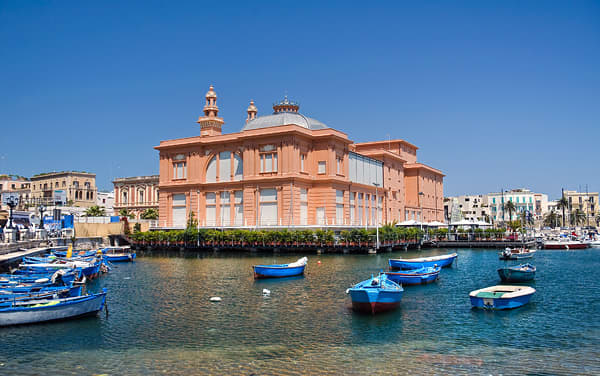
column 286, row 169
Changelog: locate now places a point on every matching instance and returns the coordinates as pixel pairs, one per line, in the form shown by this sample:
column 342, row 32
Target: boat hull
column 565, row 245
column 510, row 275
column 88, row 305
column 277, row 271
column 500, row 303
column 375, row 301
column 422, row 263
column 120, row 258
column 404, row 278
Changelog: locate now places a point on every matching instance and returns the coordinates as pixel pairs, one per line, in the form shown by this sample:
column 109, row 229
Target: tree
column 126, row 213
column 150, row 213
column 192, row 223
column 510, row 206
column 563, row 204
column 94, row 211
column 577, row 217
column 551, row 219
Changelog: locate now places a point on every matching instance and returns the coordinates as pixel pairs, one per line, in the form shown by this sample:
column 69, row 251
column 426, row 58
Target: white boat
column 34, row 311
column 565, row 244
column 594, row 243
column 501, row 297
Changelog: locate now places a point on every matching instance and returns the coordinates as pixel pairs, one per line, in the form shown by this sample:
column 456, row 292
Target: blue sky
column 497, row 95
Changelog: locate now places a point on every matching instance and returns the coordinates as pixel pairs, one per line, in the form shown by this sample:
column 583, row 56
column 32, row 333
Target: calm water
column 161, row 321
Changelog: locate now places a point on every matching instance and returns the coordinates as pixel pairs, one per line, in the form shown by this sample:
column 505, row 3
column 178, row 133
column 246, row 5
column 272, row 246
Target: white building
column 107, row 201
column 523, row 199
column 472, row 207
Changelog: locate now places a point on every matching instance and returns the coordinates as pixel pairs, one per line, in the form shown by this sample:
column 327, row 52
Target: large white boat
column 565, row 244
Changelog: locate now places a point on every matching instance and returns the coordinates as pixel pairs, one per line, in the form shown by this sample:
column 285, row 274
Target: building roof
column 284, row 118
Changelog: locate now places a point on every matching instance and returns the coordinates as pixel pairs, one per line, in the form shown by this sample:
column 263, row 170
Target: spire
column 286, row 105
column 252, row 110
column 210, row 123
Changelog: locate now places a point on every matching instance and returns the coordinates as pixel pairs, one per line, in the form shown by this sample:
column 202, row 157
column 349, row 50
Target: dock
column 11, row 257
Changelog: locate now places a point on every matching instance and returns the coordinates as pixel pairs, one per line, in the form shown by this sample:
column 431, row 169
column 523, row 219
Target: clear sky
column 496, row 94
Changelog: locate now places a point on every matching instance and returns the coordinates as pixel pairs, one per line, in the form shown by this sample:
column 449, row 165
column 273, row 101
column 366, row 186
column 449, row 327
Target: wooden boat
column 118, row 254
column 565, row 244
column 519, row 273
column 422, row 262
column 31, row 292
column 58, row 277
column 280, row 270
column 34, row 311
column 376, row 294
column 90, row 269
column 415, row 276
column 501, row 297
column 516, row 253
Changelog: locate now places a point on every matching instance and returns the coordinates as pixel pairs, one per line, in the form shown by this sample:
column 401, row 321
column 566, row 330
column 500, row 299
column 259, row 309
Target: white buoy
column 215, row 299
column 266, row 292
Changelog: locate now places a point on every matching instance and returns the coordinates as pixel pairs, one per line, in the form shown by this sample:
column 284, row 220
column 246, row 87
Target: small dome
column 211, row 92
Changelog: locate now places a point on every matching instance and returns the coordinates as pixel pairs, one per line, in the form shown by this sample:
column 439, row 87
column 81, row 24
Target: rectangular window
column 239, row 208
column 321, row 216
column 211, row 208
column 302, row 160
column 339, row 207
column 225, row 166
column 360, row 209
column 178, row 210
column 352, row 208
column 179, row 170
column 268, row 207
column 224, row 209
column 268, row 162
column 339, row 165
column 321, row 167
column 303, row 206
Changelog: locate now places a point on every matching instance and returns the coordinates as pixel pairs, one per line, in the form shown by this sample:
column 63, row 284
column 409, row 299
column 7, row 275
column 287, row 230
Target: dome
column 283, row 118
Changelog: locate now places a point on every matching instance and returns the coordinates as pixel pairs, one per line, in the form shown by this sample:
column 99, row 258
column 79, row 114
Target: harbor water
column 161, row 321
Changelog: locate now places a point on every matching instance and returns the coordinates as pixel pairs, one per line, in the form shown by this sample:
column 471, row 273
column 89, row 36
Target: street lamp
column 376, row 216
column 42, row 208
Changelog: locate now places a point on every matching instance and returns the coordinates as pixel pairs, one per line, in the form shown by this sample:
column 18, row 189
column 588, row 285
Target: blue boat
column 31, row 292
column 519, row 273
column 415, row 276
column 280, row 270
column 376, row 294
column 58, row 277
column 34, row 311
column 501, row 297
column 423, row 262
column 118, row 254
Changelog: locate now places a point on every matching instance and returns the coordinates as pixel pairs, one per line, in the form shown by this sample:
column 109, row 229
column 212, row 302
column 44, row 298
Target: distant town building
column 15, row 185
column 470, row 207
column 587, row 202
column 136, row 194
column 523, row 199
column 75, row 188
column 287, row 169
column 107, row 201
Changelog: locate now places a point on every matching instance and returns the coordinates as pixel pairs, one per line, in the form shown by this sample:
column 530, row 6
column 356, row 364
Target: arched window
column 124, row 195
column 141, row 196
column 211, row 170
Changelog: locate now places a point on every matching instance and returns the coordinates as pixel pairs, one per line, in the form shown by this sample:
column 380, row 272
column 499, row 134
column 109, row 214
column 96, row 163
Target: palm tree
column 577, row 217
column 563, row 204
column 94, row 211
column 150, row 213
column 126, row 213
column 510, row 206
column 551, row 219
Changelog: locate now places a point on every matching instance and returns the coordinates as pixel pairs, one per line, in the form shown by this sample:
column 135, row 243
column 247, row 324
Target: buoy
column 319, row 262
column 266, row 292
column 215, row 299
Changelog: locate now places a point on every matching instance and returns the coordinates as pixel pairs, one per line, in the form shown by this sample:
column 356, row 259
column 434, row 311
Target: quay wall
column 87, row 230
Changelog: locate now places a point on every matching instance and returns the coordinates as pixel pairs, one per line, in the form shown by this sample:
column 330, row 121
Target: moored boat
column 415, row 276
column 118, row 254
column 422, row 262
column 519, row 273
column 280, row 270
column 34, row 311
column 565, row 244
column 594, row 243
column 376, row 294
column 501, row 297
column 516, row 253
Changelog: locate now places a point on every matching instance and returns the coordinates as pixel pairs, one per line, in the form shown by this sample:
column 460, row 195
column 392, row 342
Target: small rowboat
column 422, row 262
column 280, row 270
column 376, row 294
column 516, row 253
column 501, row 297
column 415, row 276
column 118, row 254
column 34, row 311
column 519, row 273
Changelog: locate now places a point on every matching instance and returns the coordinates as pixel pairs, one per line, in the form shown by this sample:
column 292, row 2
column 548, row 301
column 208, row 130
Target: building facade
column 586, row 202
column 136, row 194
column 106, row 200
column 523, row 200
column 76, row 188
column 287, row 169
column 11, row 184
column 471, row 207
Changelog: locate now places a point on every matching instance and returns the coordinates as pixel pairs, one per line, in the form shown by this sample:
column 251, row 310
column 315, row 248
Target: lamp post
column 376, row 216
column 42, row 208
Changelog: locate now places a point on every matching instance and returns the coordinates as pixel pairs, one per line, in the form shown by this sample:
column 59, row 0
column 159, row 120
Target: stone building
column 136, row 194
column 76, row 188
column 287, row 169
